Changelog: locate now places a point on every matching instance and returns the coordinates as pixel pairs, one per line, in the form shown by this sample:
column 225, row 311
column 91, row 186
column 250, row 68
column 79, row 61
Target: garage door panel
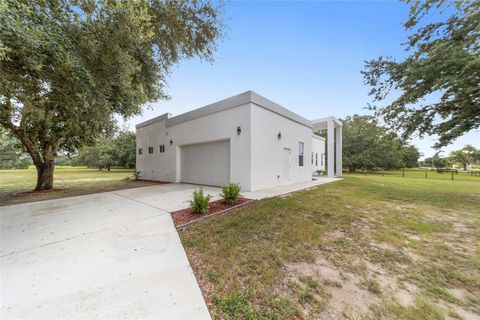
column 206, row 163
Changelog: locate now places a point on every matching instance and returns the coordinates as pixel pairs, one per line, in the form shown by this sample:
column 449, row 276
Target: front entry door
column 286, row 165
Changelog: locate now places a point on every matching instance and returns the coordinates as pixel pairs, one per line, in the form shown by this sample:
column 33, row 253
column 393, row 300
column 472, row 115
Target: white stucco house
column 246, row 139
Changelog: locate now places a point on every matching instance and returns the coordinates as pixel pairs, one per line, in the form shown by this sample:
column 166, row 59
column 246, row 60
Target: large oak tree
column 68, row 67
column 436, row 88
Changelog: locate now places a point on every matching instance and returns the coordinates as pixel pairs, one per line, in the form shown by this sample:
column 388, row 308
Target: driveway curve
column 114, row 255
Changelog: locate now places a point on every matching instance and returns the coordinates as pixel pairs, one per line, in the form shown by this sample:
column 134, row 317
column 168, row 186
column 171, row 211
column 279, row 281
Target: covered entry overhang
column 334, row 143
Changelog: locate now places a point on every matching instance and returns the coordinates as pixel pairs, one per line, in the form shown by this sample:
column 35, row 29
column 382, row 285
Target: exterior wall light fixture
column 171, row 141
column 279, row 135
column 239, row 130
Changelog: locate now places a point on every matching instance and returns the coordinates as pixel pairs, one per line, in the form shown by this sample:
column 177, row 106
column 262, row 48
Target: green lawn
column 369, row 246
column 15, row 185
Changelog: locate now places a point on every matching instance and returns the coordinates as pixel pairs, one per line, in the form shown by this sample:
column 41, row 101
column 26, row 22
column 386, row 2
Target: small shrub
column 230, row 193
column 137, row 174
column 200, row 202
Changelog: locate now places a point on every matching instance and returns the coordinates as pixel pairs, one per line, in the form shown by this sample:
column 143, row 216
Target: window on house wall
column 316, row 159
column 150, row 150
column 161, row 148
column 321, row 159
column 300, row 153
column 140, row 151
column 312, row 157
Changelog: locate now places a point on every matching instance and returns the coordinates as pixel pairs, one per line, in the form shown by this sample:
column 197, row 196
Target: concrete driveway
column 113, row 255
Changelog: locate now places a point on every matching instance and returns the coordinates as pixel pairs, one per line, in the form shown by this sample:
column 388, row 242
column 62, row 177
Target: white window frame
column 301, row 152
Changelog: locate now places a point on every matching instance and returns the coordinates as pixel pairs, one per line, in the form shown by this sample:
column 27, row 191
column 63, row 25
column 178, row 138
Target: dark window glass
column 150, row 150
column 316, row 159
column 161, row 148
column 300, row 153
column 140, row 151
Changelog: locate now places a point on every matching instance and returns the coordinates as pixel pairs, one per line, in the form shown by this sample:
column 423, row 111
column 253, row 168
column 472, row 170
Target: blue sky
column 306, row 56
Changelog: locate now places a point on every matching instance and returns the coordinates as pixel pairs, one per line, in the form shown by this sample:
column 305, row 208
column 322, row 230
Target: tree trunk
column 45, row 175
column 464, row 166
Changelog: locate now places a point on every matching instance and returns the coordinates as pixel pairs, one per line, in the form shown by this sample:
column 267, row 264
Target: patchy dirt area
column 347, row 295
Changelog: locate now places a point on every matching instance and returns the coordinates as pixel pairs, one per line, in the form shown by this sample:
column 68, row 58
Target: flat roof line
column 153, row 120
column 229, row 103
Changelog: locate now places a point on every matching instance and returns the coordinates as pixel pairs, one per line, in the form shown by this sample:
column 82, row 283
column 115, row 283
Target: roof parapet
column 153, row 120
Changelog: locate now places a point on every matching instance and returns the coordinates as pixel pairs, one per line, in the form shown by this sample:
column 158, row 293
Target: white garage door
column 206, row 163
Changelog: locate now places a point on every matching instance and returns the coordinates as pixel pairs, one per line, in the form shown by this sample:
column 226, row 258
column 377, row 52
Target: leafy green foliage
column 69, row 67
column 11, row 153
column 63, row 160
column 200, row 202
column 137, row 174
column 466, row 156
column 437, row 162
column 369, row 146
column 230, row 193
column 410, row 156
column 117, row 150
column 439, row 82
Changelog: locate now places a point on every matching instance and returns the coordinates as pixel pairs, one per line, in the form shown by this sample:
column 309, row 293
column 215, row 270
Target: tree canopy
column 436, row 89
column 466, row 156
column 437, row 162
column 370, row 146
column 109, row 150
column 68, row 67
column 11, row 153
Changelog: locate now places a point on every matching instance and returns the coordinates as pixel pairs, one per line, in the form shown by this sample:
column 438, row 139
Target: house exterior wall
column 213, row 127
column 318, row 152
column 258, row 158
column 269, row 152
column 156, row 166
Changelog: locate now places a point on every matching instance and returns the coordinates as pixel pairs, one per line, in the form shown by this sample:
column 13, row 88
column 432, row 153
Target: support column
column 330, row 148
column 338, row 146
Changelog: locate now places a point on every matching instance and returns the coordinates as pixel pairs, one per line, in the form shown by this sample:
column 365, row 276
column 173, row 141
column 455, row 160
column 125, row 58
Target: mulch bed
column 182, row 218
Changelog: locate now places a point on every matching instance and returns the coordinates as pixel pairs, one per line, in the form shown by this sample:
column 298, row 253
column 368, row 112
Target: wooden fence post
column 425, row 173
column 403, row 173
column 452, row 175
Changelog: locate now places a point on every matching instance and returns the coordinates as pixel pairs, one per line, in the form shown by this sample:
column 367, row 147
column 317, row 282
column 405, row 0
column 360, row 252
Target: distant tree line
column 464, row 158
column 115, row 149
column 368, row 146
column 11, row 154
